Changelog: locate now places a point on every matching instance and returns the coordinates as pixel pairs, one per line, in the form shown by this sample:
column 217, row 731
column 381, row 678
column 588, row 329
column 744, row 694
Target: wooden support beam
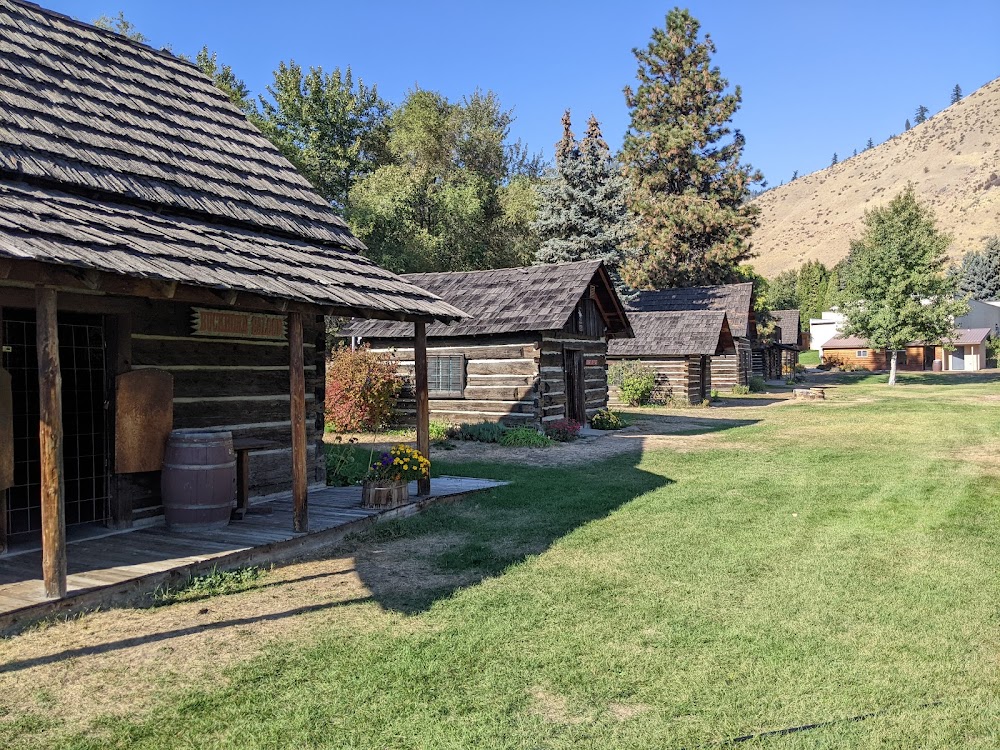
column 6, row 442
column 296, row 370
column 50, row 438
column 423, row 400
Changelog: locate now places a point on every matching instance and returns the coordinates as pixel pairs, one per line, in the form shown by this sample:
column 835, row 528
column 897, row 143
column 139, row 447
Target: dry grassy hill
column 953, row 158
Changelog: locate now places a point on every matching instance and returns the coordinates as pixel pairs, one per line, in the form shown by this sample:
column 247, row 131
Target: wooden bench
column 242, row 447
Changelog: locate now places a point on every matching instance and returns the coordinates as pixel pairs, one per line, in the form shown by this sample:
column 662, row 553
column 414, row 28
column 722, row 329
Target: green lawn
column 809, row 358
column 835, row 559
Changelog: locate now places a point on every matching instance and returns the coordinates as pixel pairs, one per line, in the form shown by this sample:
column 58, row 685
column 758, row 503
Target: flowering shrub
column 563, row 430
column 401, row 462
column 361, row 389
column 607, row 420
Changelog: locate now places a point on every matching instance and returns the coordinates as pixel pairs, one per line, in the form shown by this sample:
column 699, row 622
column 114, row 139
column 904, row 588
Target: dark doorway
column 85, row 429
column 928, row 357
column 576, row 402
column 705, row 378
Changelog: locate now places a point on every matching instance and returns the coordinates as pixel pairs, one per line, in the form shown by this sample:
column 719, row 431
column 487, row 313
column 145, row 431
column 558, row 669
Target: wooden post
column 423, row 403
column 5, row 434
column 297, row 376
column 50, row 439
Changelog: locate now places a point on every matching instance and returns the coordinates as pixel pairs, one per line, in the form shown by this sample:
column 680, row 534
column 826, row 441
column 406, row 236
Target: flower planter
column 384, row 494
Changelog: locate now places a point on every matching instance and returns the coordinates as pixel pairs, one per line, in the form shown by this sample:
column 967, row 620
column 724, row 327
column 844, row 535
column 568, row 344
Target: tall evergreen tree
column 906, row 125
column 895, row 291
column 834, row 160
column 583, row 204
column 689, row 189
column 795, row 175
column 921, row 115
column 956, row 94
column 978, row 274
column 870, row 144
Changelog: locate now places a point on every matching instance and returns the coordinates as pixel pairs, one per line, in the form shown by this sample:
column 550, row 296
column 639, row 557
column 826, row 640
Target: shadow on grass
column 679, row 424
column 920, row 378
column 461, row 545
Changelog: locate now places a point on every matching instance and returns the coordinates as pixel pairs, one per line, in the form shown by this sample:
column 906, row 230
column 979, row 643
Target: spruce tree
column 921, row 115
column 689, row 189
column 956, row 94
column 583, row 209
column 978, row 274
column 870, row 144
column 906, row 125
column 834, row 160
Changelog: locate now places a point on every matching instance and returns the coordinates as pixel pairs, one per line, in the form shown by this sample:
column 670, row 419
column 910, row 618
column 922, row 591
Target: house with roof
column 736, row 301
column 162, row 266
column 678, row 348
column 966, row 350
column 532, row 349
column 788, row 337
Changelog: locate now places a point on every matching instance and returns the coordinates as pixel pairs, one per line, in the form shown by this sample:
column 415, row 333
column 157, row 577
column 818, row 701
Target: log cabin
column 531, row 351
column 966, row 350
column 789, row 338
column 737, row 301
column 162, row 266
column 678, row 347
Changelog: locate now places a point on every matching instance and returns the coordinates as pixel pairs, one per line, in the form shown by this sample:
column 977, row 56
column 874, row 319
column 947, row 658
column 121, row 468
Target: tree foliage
column 121, row 25
column 583, row 209
column 921, row 114
column 224, row 78
column 682, row 158
column 956, row 94
column 454, row 194
column 895, row 291
column 331, row 126
column 978, row 273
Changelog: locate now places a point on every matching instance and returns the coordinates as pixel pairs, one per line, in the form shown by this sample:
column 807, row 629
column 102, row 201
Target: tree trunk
column 892, row 367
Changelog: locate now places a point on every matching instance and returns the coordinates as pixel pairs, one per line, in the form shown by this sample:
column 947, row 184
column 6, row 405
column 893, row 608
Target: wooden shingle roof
column 675, row 334
column 140, row 166
column 787, row 322
column 960, row 337
column 735, row 299
column 510, row 300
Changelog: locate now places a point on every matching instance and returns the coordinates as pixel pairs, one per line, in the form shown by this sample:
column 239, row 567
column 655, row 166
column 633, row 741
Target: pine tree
column 895, row 291
column 689, row 189
column 921, row 115
column 583, row 203
column 795, row 175
column 978, row 274
column 956, row 94
column 870, row 144
column 834, row 160
column 906, row 125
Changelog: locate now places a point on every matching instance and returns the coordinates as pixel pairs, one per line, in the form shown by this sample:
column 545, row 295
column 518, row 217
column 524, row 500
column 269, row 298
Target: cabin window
column 446, row 376
column 862, row 353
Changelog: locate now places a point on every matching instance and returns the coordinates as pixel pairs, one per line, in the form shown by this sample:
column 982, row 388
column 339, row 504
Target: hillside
column 953, row 158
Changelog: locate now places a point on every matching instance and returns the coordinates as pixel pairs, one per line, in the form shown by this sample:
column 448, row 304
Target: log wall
column 678, row 379
column 732, row 369
column 515, row 380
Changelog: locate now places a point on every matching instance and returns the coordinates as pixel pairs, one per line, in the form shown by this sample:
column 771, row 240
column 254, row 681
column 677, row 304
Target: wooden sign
column 235, row 324
column 144, row 417
column 593, row 363
column 6, row 433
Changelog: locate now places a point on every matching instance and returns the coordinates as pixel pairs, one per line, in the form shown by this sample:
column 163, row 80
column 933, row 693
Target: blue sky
column 817, row 78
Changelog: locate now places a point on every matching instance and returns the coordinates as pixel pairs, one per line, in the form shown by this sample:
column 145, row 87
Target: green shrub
column 635, row 381
column 361, row 389
column 608, row 420
column 482, row 432
column 524, row 437
column 441, row 431
column 993, row 350
column 346, row 462
column 740, row 390
column 714, row 395
column 757, row 384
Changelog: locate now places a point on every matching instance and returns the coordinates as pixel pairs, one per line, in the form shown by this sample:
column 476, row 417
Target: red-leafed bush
column 563, row 430
column 361, row 389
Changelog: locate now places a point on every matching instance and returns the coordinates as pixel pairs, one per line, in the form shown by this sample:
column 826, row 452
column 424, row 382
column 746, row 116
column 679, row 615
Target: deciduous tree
column 682, row 157
column 895, row 290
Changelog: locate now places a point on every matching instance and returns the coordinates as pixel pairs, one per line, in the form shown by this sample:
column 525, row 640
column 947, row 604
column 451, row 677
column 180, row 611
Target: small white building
column 981, row 315
column 822, row 329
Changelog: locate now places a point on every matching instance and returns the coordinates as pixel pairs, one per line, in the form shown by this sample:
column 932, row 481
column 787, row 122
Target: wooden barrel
column 198, row 482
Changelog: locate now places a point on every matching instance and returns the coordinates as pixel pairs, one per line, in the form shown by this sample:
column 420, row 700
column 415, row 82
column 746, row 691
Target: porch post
column 296, row 370
column 423, row 404
column 6, row 443
column 50, row 439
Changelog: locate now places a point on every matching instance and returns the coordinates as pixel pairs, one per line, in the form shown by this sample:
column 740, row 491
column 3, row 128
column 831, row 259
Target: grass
column 214, row 583
column 836, row 559
column 809, row 358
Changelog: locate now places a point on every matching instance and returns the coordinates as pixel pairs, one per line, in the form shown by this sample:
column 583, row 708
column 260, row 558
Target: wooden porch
column 107, row 566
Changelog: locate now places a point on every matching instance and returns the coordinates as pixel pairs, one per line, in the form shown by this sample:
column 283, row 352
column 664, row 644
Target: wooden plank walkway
column 119, row 565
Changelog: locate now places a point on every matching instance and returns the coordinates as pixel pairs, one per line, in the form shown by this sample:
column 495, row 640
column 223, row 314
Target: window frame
column 861, row 354
column 434, row 361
